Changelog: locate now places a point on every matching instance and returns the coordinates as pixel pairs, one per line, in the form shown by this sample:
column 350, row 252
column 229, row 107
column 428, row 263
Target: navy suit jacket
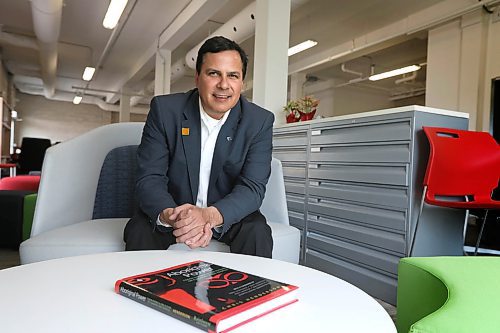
column 169, row 158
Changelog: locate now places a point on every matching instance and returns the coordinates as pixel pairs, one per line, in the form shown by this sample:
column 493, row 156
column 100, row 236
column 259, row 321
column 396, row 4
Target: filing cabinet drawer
column 295, row 187
column 375, row 283
column 369, row 216
column 370, row 237
column 375, row 260
column 295, row 203
column 378, row 195
column 294, row 171
column 365, row 153
column 390, row 174
column 297, row 137
column 398, row 130
column 291, row 155
column 296, row 219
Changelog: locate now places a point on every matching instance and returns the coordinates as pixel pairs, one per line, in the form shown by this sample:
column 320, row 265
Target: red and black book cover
column 211, row 297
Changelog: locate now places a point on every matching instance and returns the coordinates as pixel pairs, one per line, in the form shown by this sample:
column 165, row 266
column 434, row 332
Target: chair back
column 32, row 154
column 463, row 168
column 274, row 206
column 115, row 195
column 70, row 175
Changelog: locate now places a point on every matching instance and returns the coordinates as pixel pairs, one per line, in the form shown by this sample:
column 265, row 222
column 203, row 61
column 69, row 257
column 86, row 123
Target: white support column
column 270, row 77
column 124, row 115
column 297, row 81
column 163, row 70
column 443, row 65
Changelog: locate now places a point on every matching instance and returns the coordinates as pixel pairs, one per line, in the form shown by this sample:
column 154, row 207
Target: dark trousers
column 252, row 235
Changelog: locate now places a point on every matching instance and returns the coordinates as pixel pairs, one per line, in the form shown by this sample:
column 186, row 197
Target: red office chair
column 462, row 171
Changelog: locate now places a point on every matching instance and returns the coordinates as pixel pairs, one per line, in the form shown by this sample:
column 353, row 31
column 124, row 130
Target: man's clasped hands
column 192, row 225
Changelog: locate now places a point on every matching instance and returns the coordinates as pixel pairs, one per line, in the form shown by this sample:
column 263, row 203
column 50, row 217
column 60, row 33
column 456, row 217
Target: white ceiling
column 129, row 58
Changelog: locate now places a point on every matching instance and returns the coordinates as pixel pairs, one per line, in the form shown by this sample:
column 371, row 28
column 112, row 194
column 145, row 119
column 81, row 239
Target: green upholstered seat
column 28, row 213
column 448, row 294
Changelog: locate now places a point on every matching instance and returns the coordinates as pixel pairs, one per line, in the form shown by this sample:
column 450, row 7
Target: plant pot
column 307, row 116
column 291, row 118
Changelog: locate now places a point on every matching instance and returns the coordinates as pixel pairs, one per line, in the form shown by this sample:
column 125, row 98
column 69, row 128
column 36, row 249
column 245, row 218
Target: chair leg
column 416, row 223
column 480, row 233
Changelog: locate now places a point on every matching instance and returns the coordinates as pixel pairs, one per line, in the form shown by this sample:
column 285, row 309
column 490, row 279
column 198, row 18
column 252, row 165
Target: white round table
column 76, row 294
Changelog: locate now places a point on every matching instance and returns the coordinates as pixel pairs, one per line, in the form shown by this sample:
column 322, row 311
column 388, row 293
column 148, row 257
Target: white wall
column 463, row 57
column 352, row 99
column 338, row 101
column 59, row 121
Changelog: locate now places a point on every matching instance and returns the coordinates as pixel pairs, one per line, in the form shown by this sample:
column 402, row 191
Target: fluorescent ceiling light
column 301, row 47
column 394, row 72
column 113, row 14
column 88, row 73
column 77, row 99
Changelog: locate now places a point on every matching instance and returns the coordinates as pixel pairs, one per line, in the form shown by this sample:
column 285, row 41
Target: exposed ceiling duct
column 65, row 96
column 239, row 28
column 46, row 23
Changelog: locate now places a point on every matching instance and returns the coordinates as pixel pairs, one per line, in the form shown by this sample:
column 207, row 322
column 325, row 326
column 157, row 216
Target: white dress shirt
column 210, row 129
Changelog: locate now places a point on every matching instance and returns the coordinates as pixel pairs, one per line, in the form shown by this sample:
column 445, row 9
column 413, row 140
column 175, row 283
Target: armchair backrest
column 32, row 154
column 70, row 175
column 274, row 206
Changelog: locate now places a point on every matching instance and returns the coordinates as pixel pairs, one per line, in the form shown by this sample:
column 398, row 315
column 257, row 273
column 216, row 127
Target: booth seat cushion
column 448, row 294
column 105, row 235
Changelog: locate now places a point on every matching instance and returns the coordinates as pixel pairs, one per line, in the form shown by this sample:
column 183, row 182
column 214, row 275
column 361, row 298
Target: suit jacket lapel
column 224, row 142
column 191, row 141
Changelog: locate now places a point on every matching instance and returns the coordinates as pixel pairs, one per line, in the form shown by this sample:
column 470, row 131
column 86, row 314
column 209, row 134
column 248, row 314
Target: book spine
column 162, row 305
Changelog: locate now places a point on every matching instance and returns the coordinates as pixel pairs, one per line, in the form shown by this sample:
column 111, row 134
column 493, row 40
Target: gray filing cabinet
column 354, row 185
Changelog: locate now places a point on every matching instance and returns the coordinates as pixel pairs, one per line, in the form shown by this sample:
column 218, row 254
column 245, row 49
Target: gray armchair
column 86, row 197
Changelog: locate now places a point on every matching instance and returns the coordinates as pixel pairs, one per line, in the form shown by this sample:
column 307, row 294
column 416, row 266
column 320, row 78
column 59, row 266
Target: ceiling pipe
column 407, row 78
column 350, row 71
column 47, row 23
column 148, row 90
column 64, row 96
column 239, row 28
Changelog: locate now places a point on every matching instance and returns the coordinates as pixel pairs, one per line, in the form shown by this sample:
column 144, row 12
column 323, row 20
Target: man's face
column 220, row 82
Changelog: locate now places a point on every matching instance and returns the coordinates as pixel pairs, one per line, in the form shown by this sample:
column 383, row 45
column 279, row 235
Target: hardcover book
column 208, row 296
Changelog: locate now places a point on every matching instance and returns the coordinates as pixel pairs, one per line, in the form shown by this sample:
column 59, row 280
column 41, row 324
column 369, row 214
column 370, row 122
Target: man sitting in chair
column 204, row 162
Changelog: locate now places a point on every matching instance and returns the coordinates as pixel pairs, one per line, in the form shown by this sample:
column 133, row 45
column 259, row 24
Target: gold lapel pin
column 185, row 131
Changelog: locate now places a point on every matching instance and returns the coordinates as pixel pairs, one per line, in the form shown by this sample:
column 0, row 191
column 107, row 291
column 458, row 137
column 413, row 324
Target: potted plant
column 292, row 111
column 307, row 107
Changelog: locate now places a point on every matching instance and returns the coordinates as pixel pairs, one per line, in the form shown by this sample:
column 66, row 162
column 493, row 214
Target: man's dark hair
column 218, row 44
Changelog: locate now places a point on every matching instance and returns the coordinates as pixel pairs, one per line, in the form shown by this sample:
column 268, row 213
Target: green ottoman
column 448, row 294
